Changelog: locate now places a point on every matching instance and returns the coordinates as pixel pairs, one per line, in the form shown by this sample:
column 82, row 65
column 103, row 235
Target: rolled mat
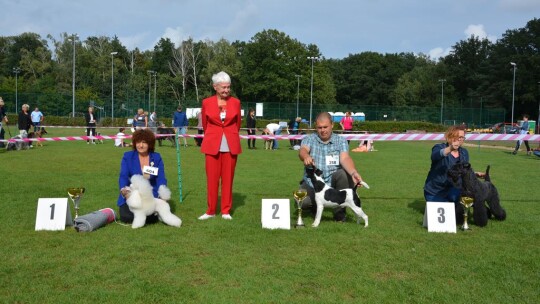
column 92, row 221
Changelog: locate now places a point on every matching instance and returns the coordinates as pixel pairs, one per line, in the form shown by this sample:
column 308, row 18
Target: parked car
column 504, row 128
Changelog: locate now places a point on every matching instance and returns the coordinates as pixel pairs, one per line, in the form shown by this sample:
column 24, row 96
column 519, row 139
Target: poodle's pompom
column 164, row 193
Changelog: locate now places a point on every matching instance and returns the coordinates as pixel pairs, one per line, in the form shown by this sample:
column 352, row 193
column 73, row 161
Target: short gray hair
column 221, row 77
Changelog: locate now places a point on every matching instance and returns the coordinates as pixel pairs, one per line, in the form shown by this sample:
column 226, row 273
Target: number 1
column 52, row 211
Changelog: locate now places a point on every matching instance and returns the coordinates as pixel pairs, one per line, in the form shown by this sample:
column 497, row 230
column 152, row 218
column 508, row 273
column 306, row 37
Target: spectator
column 180, row 123
column 3, row 119
column 273, row 129
column 251, row 125
column 90, row 118
column 37, row 118
column 119, row 140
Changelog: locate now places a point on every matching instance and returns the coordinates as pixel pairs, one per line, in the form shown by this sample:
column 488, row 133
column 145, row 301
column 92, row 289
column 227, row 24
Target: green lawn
column 395, row 260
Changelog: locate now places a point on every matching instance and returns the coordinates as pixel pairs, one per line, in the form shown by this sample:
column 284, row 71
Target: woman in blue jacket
column 144, row 161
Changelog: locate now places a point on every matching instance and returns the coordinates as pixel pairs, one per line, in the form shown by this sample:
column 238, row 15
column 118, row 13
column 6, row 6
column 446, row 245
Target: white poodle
column 142, row 203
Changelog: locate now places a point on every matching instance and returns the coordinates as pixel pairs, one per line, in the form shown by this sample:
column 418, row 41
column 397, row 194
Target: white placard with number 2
column 276, row 214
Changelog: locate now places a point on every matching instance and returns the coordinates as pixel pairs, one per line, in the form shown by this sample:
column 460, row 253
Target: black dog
column 482, row 193
column 162, row 129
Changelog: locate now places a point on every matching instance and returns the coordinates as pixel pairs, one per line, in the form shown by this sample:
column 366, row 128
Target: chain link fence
column 61, row 105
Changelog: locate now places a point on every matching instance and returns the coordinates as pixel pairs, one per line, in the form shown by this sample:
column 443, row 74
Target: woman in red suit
column 221, row 120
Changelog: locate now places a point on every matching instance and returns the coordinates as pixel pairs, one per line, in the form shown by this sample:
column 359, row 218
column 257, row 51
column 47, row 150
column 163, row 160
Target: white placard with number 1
column 441, row 217
column 53, row 214
column 276, row 214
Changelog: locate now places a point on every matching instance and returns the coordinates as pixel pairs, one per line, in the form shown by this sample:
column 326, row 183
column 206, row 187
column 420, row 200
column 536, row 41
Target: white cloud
column 132, row 42
column 439, row 52
column 478, row 30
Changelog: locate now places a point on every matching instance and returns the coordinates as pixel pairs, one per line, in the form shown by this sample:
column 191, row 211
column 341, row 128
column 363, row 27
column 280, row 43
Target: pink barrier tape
column 374, row 137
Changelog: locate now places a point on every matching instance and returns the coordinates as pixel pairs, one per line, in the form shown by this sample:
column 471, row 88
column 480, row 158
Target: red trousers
column 220, row 167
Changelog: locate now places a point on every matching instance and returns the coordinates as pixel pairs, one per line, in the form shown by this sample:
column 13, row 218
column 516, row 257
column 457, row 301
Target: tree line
column 272, row 67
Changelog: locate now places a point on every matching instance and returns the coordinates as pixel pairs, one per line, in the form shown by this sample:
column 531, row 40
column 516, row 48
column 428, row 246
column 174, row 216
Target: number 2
column 276, row 209
column 441, row 218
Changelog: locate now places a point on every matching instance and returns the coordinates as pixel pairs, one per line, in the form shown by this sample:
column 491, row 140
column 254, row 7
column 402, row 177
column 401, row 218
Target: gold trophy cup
column 467, row 202
column 299, row 196
column 75, row 194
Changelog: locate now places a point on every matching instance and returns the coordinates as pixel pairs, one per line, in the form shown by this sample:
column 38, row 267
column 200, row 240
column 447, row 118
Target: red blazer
column 214, row 128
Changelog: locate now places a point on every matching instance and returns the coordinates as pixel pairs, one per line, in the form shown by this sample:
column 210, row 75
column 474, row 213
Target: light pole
column 112, row 85
column 442, row 97
column 73, row 38
column 155, row 90
column 16, row 70
column 513, row 90
column 311, row 98
column 297, row 93
column 538, row 120
column 150, row 73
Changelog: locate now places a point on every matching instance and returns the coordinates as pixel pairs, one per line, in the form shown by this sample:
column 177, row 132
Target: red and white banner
column 374, row 137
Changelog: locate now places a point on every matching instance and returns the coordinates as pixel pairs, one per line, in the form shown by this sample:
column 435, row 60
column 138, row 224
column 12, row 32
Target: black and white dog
column 482, row 193
column 326, row 196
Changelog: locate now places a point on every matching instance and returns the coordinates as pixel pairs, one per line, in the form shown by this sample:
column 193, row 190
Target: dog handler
column 438, row 187
column 330, row 153
column 144, row 161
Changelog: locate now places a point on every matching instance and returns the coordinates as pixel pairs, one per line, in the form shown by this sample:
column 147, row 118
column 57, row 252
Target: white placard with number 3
column 441, row 217
column 276, row 214
column 53, row 214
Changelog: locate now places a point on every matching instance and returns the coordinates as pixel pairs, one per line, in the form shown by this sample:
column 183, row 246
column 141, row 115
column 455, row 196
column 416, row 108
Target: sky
column 338, row 27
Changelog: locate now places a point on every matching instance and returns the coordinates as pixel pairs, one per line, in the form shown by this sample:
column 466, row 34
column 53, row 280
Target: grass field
column 395, row 260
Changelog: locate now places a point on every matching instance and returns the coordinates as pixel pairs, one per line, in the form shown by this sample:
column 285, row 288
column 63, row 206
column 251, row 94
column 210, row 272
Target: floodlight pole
column 311, row 98
column 297, row 94
column 513, row 90
column 155, row 90
column 150, row 73
column 112, row 85
column 16, row 70
column 442, row 98
column 73, row 38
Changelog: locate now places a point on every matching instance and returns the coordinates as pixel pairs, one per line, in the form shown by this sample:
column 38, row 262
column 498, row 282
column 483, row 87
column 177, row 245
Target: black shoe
column 515, row 152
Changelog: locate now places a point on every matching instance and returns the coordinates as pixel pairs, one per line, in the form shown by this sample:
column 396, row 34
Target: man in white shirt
column 37, row 118
column 273, row 129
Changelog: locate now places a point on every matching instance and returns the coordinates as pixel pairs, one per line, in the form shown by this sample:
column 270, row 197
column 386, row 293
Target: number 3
column 441, row 218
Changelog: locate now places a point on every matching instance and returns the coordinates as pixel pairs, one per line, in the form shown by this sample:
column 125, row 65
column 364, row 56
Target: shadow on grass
column 239, row 200
column 418, row 205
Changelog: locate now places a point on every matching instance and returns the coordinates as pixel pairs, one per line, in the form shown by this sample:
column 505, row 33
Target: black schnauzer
column 481, row 193
column 163, row 130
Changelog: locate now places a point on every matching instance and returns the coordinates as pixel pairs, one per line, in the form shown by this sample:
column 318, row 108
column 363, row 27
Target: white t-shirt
column 272, row 127
column 118, row 141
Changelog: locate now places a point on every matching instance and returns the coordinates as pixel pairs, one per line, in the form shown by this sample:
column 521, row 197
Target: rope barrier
column 356, row 137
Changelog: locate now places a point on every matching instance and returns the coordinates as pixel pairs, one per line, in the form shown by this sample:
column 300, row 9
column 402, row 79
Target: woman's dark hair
column 144, row 135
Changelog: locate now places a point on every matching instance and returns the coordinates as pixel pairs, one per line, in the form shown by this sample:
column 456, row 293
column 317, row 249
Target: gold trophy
column 75, row 194
column 467, row 202
column 299, row 196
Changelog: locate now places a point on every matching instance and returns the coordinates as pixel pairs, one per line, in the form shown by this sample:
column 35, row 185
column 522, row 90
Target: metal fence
column 61, row 105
